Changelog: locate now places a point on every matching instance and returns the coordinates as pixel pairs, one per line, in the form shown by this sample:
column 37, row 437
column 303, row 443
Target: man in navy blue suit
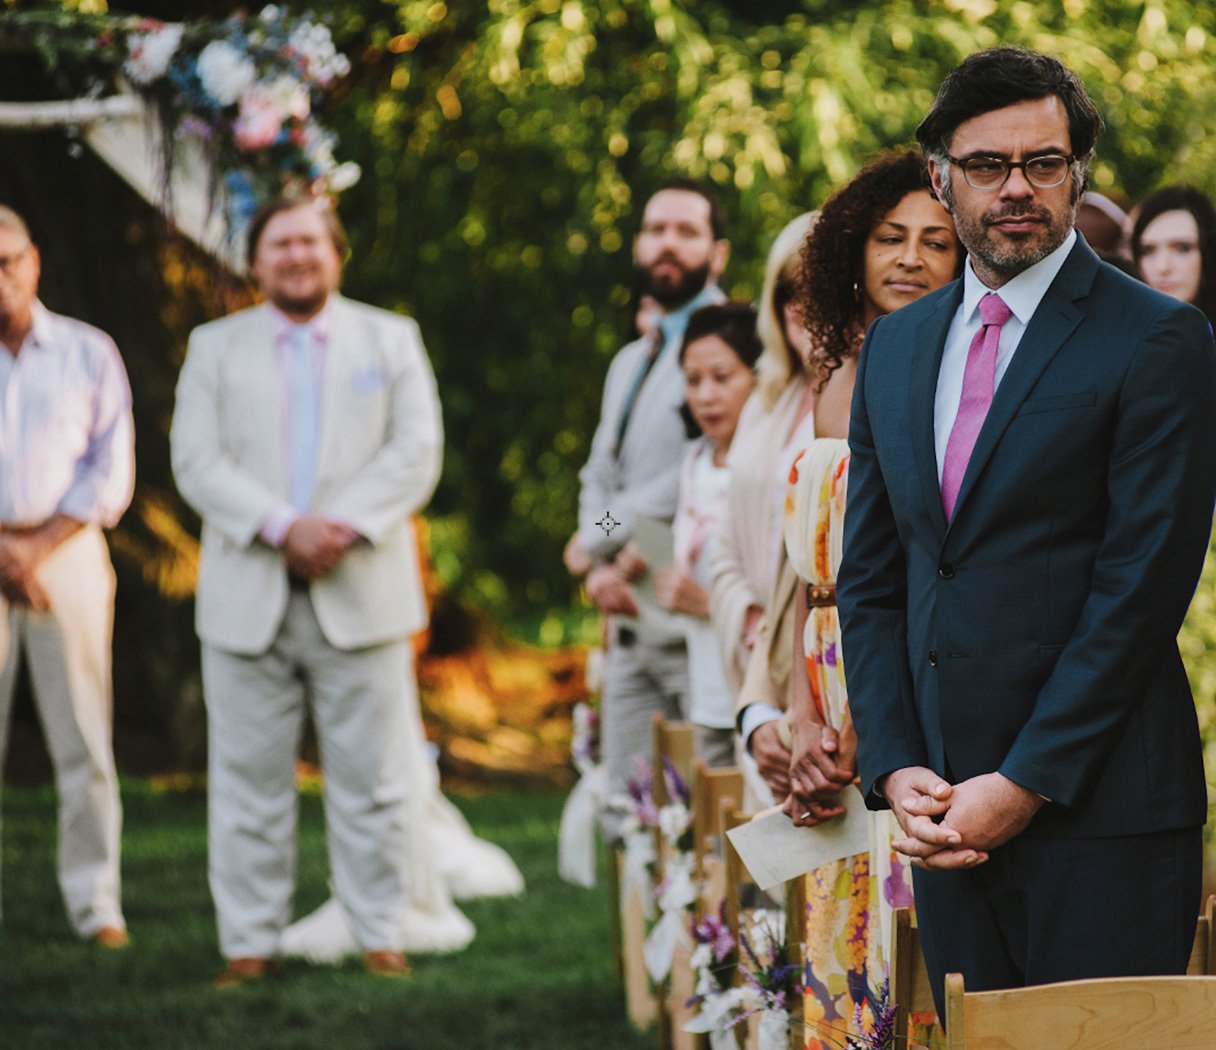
column 1030, row 499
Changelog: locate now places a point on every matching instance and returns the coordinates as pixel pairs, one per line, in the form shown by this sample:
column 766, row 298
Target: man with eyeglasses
column 1030, row 498
column 67, row 470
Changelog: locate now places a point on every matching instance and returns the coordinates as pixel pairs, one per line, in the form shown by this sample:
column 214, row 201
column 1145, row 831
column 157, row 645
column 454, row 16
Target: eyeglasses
column 8, row 263
column 991, row 173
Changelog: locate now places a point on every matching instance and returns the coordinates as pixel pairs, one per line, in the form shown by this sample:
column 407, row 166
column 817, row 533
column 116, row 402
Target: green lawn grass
column 538, row 976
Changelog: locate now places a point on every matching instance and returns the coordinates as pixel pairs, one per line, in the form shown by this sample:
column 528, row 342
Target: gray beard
column 1009, row 259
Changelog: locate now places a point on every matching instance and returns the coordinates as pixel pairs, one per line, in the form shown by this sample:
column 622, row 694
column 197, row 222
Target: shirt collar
column 40, row 331
column 1022, row 294
column 673, row 324
column 317, row 325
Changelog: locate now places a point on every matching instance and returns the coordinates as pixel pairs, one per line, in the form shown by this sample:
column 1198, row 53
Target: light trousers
column 68, row 651
column 255, row 716
column 640, row 679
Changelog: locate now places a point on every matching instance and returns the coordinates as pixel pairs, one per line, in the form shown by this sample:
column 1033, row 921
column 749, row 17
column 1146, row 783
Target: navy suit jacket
column 1035, row 633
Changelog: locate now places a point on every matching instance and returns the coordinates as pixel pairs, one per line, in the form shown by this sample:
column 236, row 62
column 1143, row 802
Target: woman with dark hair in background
column 1174, row 244
column 718, row 358
column 882, row 242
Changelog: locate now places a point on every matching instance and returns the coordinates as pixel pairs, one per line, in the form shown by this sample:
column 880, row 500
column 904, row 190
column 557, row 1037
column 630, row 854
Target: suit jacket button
column 932, row 657
column 946, row 571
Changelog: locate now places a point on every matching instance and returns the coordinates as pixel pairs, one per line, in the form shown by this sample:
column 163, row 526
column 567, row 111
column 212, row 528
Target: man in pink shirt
column 67, row 469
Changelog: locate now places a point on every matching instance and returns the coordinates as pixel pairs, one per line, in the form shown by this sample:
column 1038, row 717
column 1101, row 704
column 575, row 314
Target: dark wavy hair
column 833, row 256
column 1189, row 199
column 1000, row 77
column 734, row 322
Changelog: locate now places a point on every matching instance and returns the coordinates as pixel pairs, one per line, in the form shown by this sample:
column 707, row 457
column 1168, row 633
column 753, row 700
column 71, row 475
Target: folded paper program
column 775, row 851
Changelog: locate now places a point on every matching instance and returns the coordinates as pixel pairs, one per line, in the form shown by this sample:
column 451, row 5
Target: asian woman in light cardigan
column 718, row 358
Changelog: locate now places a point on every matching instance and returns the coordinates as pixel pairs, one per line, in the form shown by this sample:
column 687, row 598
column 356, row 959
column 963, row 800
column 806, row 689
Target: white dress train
column 447, row 862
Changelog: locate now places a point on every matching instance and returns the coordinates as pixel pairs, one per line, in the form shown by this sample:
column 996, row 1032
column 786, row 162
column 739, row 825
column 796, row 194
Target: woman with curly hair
column 882, row 242
column 1174, row 244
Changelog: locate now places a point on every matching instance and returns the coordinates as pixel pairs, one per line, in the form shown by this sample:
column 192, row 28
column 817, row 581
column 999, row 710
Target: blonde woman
column 752, row 585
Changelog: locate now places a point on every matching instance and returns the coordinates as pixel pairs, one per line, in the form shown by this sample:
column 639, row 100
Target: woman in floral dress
column 882, row 241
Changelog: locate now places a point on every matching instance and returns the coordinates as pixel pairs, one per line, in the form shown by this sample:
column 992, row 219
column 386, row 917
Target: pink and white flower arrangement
column 245, row 89
column 150, row 53
column 225, row 72
column 321, row 63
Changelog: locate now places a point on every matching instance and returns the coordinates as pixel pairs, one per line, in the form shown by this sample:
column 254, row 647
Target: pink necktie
column 979, row 381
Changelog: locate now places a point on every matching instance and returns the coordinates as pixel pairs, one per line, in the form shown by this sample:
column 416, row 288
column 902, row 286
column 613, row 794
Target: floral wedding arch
column 204, row 119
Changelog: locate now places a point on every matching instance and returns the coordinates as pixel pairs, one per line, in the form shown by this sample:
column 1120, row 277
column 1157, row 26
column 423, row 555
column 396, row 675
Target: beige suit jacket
column 742, row 568
column 380, row 451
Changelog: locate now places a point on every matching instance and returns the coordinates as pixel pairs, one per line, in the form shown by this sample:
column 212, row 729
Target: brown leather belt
column 820, row 597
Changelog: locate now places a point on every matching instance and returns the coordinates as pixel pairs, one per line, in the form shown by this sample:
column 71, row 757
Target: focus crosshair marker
column 607, row 523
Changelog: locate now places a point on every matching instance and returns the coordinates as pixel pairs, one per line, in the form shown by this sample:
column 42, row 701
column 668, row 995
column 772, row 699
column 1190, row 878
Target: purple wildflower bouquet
column 878, row 1032
column 766, row 962
column 585, row 743
column 713, row 958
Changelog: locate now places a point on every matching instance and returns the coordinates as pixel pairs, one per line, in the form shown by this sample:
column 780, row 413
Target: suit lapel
column 929, row 343
column 258, row 360
column 1056, row 318
column 336, row 372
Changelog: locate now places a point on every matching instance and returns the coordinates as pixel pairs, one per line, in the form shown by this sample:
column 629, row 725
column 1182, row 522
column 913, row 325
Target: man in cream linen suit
column 307, row 431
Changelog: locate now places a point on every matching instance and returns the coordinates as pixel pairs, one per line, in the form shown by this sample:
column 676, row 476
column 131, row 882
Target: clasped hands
column 313, row 545
column 952, row 826
column 609, row 586
column 821, row 764
column 20, row 555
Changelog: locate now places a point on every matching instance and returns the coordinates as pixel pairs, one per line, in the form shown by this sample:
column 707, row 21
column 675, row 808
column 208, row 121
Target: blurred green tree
column 508, row 147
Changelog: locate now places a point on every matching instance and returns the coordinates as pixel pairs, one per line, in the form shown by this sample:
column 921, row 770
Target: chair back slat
column 1115, row 1013
column 911, row 991
column 1209, row 913
column 1198, row 964
column 675, row 742
column 710, row 789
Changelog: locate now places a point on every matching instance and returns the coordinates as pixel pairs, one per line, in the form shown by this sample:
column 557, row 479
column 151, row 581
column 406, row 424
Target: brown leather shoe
column 111, row 937
column 245, row 968
column 386, row 964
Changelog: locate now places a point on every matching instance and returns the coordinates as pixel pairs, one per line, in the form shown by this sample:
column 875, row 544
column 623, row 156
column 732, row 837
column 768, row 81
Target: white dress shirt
column 1022, row 295
column 703, row 492
column 67, row 441
column 274, row 528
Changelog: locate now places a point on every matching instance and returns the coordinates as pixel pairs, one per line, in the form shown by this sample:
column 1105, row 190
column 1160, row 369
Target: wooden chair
column 738, row 881
column 1116, row 1013
column 740, row 886
column 795, row 936
column 674, row 743
column 1203, row 950
column 912, row 993
column 910, row 989
column 711, row 790
column 641, row 1004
